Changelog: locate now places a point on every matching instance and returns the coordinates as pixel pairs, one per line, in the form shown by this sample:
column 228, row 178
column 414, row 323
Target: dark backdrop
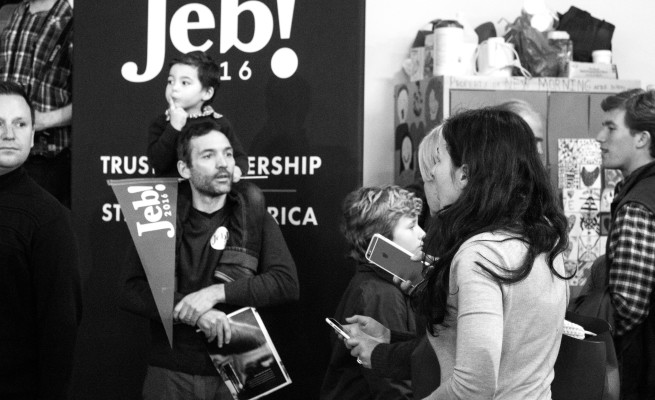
column 315, row 115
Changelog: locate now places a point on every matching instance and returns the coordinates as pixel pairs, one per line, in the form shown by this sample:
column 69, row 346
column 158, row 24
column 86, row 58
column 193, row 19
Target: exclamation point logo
column 284, row 62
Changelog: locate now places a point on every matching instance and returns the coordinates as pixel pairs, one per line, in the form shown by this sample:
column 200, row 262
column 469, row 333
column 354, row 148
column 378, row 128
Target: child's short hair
column 375, row 209
column 191, row 131
column 209, row 73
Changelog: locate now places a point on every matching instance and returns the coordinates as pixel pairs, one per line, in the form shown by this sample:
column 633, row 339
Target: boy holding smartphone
column 392, row 212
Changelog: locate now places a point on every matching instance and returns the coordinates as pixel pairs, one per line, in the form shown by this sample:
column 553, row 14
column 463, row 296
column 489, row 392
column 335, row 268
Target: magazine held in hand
column 249, row 365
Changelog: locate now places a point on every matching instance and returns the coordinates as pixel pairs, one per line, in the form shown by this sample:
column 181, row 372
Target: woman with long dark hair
column 495, row 296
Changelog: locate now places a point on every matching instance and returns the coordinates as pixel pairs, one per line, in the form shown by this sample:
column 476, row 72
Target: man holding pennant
column 223, row 261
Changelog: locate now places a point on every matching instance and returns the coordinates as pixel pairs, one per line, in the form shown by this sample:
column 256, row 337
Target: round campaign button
column 219, row 238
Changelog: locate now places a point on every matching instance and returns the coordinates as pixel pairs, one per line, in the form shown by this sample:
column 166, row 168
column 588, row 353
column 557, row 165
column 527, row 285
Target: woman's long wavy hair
column 508, row 190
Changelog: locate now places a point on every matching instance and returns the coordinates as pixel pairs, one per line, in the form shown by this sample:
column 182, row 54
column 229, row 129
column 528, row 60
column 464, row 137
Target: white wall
column 392, row 24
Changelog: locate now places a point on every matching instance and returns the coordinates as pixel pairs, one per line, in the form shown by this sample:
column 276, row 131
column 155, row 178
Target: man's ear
column 644, row 138
column 183, row 169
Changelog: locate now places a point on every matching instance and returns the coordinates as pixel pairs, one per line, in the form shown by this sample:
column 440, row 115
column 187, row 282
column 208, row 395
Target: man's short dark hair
column 619, row 100
column 190, row 131
column 209, row 73
column 13, row 88
column 640, row 115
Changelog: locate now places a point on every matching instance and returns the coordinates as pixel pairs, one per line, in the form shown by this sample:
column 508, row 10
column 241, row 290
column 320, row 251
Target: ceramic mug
column 495, row 57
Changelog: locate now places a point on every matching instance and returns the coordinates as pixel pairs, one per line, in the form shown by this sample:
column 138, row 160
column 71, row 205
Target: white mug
column 602, row 56
column 495, row 57
column 467, row 58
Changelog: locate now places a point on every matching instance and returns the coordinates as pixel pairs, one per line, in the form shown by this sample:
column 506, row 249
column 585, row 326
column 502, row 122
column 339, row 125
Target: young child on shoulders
column 193, row 80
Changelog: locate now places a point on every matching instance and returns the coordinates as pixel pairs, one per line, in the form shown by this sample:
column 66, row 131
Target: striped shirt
column 632, row 273
column 36, row 51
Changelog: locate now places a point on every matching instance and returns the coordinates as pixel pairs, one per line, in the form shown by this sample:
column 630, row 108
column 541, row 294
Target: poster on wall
column 578, row 163
column 291, row 85
column 587, row 192
column 417, row 112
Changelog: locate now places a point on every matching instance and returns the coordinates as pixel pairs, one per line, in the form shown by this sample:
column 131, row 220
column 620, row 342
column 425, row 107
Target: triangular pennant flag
column 149, row 206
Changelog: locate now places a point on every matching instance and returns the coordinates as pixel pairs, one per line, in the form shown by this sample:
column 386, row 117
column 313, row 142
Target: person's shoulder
column 38, row 204
column 223, row 123
column 249, row 189
column 366, row 288
column 493, row 249
column 220, row 119
column 491, row 240
column 372, row 285
column 636, row 210
column 48, row 206
column 250, row 196
column 376, row 289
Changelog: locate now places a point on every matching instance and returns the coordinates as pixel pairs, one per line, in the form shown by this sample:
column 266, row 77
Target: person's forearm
column 136, row 296
column 276, row 286
column 398, row 336
column 393, row 360
column 276, row 281
column 217, row 292
column 162, row 144
column 52, row 119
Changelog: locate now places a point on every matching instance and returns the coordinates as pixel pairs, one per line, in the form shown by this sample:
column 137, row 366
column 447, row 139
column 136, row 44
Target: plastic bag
column 535, row 53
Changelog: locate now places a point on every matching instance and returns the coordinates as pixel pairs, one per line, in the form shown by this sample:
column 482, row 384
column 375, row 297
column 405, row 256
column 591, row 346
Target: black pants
column 53, row 174
column 636, row 356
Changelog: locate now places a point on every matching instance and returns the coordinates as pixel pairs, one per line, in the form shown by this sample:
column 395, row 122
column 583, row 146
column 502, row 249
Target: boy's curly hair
column 371, row 210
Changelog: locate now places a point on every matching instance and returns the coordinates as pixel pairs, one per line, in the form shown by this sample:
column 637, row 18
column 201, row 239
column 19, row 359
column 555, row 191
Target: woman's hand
column 362, row 347
column 365, row 333
column 360, row 325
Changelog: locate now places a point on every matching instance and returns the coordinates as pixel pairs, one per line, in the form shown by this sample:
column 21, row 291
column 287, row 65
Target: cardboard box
column 577, row 69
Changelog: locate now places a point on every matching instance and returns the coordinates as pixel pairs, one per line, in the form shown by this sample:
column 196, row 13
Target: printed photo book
column 249, row 365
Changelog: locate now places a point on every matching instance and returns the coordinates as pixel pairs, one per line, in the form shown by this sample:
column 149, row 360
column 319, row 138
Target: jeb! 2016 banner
column 292, row 87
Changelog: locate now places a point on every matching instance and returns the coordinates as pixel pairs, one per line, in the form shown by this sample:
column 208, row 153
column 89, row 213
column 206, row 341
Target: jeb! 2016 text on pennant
column 149, row 207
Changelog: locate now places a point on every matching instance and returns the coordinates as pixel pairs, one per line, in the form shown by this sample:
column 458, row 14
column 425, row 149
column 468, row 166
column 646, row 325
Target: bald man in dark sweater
column 40, row 300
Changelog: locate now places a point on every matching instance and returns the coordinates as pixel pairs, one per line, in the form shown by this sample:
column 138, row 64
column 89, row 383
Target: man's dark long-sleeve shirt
column 40, row 295
column 275, row 282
